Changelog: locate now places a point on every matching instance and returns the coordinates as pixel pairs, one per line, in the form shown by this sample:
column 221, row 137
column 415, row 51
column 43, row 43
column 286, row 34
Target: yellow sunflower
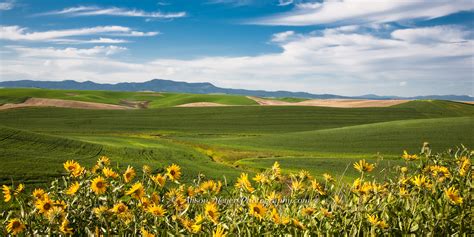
column 19, row 189
column 179, row 202
column 156, row 210
column 129, row 174
column 375, row 221
column 65, row 229
column 275, row 216
column 191, row 191
column 363, row 166
column 73, row 168
column 276, row 170
column 197, row 226
column 421, row 181
column 464, row 166
column 304, row 174
column 298, row 224
column 328, row 177
column 257, row 209
column 146, row 169
column 7, row 194
column 44, row 205
column 55, row 215
column 145, row 233
column 296, row 186
column 409, row 157
column 453, row 195
column 159, row 179
column 308, row 211
column 219, row 232
column 120, row 208
column 73, row 188
column 260, row 178
column 15, row 226
column 244, row 183
column 174, row 172
column 440, row 172
column 103, row 161
column 211, row 211
column 99, row 211
column 99, row 185
column 316, row 186
column 403, row 192
column 60, row 204
column 136, row 191
column 207, row 186
column 38, row 193
column 109, row 173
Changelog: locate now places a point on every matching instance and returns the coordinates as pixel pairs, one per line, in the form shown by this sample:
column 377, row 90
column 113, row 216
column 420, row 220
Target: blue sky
column 347, row 47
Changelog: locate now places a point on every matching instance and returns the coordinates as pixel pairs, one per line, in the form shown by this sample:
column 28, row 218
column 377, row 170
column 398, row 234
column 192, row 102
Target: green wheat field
column 221, row 143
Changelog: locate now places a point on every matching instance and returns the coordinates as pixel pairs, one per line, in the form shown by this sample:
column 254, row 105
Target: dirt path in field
column 40, row 102
column 337, row 103
column 135, row 104
column 262, row 101
column 201, row 104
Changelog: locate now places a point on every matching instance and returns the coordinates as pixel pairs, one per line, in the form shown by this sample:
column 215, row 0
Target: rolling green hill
column 34, row 142
column 36, row 158
column 156, row 100
column 384, row 138
column 220, row 120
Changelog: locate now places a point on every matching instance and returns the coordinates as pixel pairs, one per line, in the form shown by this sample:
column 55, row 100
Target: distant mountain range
column 160, row 85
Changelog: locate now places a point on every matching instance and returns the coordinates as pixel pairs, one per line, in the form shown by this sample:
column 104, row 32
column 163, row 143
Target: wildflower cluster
column 430, row 195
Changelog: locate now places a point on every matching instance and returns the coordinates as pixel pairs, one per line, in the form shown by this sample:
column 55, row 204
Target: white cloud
column 363, row 11
column 282, row 36
column 447, row 34
column 113, row 11
column 232, row 2
column 18, row 33
column 55, row 53
column 329, row 61
column 138, row 34
column 7, row 5
column 91, row 41
column 285, row 2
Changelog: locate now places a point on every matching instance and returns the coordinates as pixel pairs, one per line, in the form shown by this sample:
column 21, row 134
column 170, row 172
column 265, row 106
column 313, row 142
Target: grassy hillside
column 157, row 100
column 36, row 158
column 318, row 138
column 219, row 120
column 386, row 138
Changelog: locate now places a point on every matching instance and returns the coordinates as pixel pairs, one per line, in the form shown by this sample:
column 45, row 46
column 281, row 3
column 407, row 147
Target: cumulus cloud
column 7, row 5
column 112, row 11
column 19, row 33
column 363, row 11
column 329, row 61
